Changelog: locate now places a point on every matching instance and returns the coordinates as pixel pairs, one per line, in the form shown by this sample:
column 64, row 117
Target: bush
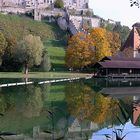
column 59, row 4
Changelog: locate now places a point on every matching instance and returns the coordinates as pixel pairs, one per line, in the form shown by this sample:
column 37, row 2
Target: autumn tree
column 30, row 51
column 99, row 38
column 85, row 49
column 3, row 45
column 114, row 42
column 79, row 52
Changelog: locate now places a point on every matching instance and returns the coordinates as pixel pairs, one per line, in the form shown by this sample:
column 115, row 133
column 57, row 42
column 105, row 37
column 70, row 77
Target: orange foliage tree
column 79, row 52
column 84, row 49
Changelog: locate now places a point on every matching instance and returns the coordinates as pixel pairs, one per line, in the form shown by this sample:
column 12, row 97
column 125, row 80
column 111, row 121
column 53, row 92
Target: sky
column 118, row 10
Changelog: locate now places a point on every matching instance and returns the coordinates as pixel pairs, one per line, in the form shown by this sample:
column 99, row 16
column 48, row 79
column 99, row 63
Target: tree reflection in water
column 86, row 104
column 33, row 104
column 80, row 111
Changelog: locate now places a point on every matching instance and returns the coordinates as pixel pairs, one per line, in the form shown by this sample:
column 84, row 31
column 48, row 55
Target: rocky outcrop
column 61, row 21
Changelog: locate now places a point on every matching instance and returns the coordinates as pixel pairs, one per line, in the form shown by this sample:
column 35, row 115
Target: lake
column 95, row 109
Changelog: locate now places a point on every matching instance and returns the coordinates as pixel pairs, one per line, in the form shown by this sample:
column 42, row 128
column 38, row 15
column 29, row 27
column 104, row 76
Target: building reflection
column 136, row 110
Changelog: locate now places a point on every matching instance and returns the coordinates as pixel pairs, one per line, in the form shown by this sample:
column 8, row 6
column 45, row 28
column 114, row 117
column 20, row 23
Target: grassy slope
column 52, row 37
column 56, row 51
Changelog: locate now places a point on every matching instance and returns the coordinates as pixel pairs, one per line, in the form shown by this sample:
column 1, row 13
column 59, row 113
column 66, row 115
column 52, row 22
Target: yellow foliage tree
column 99, row 38
column 114, row 42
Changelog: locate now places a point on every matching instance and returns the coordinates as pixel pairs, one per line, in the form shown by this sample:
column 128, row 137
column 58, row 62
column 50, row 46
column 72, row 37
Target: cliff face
column 62, row 23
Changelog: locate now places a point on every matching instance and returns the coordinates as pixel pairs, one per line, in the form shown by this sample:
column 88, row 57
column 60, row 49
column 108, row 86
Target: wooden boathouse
column 118, row 67
column 127, row 62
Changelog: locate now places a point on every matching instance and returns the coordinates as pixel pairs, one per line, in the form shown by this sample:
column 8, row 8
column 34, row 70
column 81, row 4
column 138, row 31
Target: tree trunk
column 26, row 69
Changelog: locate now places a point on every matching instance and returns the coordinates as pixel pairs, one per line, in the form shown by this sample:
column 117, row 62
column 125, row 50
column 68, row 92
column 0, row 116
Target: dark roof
column 116, row 58
column 129, row 42
column 137, row 24
column 138, row 30
column 120, row 64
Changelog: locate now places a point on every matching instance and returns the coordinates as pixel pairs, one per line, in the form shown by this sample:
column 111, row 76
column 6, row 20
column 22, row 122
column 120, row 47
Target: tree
column 89, row 13
column 8, row 63
column 79, row 52
column 59, row 4
column 45, row 64
column 30, row 51
column 127, row 52
column 114, row 42
column 109, row 27
column 123, row 31
column 33, row 102
column 3, row 46
column 99, row 39
column 85, row 49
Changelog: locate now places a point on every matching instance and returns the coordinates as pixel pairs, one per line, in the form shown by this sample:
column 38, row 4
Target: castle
column 71, row 4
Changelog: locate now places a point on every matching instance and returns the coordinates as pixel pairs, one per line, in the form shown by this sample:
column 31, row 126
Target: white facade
column 26, row 3
column 71, row 4
column 76, row 4
column 40, row 3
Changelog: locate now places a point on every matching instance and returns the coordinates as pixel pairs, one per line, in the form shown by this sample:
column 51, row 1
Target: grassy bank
column 54, row 39
column 56, row 51
column 49, row 75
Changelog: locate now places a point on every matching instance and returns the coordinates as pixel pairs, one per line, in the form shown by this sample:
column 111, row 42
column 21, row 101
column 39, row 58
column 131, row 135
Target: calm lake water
column 96, row 109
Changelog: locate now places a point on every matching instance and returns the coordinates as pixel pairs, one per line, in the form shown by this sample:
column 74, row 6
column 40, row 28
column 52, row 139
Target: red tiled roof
column 120, row 64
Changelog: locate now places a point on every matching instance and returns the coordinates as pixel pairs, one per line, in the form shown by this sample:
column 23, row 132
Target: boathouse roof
column 119, row 64
column 116, row 58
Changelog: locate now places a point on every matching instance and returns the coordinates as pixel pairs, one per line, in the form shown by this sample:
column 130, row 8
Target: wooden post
column 106, row 71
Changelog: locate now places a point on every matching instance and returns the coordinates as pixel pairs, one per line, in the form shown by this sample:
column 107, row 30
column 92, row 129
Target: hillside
column 52, row 36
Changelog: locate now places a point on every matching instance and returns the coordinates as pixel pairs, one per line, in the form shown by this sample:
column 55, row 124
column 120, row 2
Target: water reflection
column 73, row 111
column 127, row 94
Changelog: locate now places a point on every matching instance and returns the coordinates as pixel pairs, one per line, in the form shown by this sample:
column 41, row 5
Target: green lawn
column 56, row 51
column 49, row 75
